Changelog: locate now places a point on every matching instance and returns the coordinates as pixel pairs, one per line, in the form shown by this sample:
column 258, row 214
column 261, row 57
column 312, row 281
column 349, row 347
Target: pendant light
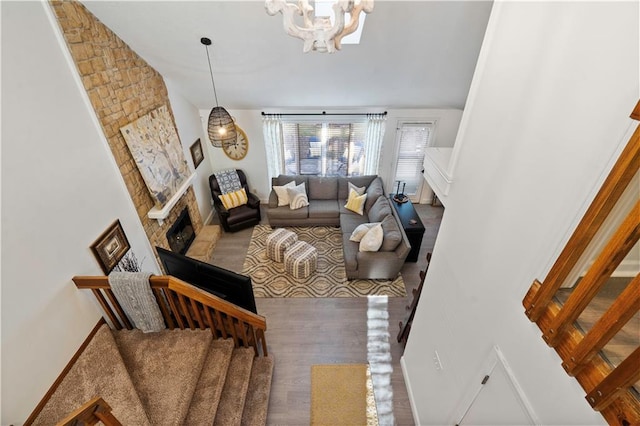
column 221, row 128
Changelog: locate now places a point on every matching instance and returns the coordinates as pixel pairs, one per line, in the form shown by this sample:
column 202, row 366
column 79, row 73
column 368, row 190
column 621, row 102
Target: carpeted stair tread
column 99, row 371
column 164, row 368
column 257, row 400
column 206, row 397
column 235, row 388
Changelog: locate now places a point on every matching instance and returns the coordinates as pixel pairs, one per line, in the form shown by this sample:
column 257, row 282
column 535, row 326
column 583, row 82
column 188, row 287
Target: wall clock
column 238, row 149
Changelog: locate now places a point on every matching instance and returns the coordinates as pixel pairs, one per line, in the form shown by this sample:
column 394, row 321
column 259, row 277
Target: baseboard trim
column 209, row 218
column 407, row 383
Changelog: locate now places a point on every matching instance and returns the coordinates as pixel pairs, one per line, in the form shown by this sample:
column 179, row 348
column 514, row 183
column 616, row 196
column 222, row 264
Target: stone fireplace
column 181, row 234
column 122, row 87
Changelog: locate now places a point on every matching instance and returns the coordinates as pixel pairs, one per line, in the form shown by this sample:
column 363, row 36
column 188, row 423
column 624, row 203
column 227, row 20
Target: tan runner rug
column 270, row 279
column 342, row 394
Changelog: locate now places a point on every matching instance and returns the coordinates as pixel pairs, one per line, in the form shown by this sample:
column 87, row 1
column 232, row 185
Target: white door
column 495, row 398
column 411, row 138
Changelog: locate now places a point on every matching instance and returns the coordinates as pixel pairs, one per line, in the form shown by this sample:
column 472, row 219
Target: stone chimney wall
column 122, row 87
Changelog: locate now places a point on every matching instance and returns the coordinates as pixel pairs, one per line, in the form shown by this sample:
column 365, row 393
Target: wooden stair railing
column 609, row 387
column 90, row 413
column 186, row 306
column 405, row 327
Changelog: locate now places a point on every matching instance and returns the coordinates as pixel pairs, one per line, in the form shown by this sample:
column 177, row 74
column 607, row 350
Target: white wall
column 189, row 130
column 61, row 189
column 555, row 85
column 255, row 165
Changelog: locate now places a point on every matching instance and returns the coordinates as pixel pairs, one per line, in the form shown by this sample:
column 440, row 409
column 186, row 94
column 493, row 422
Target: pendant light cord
column 215, row 94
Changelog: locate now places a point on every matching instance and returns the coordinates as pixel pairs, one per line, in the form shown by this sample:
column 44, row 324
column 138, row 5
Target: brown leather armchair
column 237, row 218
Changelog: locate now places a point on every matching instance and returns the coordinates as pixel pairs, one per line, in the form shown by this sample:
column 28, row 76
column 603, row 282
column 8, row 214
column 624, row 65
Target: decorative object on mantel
column 129, row 263
column 157, row 151
column 110, row 247
column 399, row 197
column 318, row 32
column 220, row 128
column 196, row 153
column 237, row 150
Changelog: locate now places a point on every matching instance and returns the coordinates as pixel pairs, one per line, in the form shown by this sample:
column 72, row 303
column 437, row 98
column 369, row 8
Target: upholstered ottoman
column 278, row 242
column 301, row 259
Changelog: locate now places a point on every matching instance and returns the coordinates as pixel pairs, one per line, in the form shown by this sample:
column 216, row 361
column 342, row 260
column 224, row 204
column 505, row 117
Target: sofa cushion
column 391, row 232
column 323, row 188
column 350, row 221
column 379, row 210
column 323, row 208
column 372, row 241
column 285, row 212
column 374, row 190
column 355, row 202
column 297, row 197
column 284, row 179
column 343, row 184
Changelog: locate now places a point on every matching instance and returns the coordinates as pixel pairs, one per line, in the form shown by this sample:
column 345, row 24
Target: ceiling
column 412, row 54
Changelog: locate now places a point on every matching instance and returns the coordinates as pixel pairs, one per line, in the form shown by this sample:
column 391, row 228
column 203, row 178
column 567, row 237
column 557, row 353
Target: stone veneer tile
column 122, row 87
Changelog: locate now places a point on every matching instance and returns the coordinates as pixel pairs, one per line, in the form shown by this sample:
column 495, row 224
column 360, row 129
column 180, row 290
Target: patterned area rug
column 330, row 279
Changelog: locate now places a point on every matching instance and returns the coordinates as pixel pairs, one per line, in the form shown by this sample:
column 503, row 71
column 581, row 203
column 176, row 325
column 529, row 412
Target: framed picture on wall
column 196, row 153
column 110, row 247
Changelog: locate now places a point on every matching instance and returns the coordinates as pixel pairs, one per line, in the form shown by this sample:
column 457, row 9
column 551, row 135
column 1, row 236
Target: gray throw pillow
column 374, row 191
column 391, row 232
column 379, row 210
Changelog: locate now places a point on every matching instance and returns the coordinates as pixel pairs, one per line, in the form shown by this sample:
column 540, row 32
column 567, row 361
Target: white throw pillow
column 372, row 239
column 283, row 195
column 361, row 231
column 297, row 197
column 359, row 190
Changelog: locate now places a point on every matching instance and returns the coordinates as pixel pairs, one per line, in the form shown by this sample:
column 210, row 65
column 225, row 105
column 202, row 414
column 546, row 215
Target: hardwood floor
column 306, row 331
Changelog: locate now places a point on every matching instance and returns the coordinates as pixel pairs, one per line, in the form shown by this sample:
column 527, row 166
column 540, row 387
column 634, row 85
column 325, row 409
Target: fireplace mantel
column 160, row 214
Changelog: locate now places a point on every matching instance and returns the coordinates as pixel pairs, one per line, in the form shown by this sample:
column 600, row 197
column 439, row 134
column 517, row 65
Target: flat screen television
column 225, row 284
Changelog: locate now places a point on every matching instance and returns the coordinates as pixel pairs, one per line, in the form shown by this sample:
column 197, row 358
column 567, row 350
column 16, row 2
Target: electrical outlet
column 436, row 361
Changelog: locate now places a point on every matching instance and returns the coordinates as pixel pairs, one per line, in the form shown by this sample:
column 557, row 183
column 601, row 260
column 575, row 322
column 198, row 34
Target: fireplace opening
column 181, row 234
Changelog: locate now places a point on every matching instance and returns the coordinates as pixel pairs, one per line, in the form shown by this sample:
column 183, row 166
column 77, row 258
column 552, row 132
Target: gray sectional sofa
column 327, row 197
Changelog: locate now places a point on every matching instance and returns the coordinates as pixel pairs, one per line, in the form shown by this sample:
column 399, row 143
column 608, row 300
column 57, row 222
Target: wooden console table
column 412, row 226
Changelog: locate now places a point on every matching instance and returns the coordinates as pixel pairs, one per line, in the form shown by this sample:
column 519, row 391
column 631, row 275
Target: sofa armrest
column 379, row 264
column 253, row 201
column 273, row 199
column 222, row 212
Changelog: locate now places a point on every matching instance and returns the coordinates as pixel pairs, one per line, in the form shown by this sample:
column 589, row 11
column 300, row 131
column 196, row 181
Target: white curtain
column 272, row 130
column 373, row 142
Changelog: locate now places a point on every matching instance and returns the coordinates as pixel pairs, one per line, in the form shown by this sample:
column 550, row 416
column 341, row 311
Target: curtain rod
column 325, row 113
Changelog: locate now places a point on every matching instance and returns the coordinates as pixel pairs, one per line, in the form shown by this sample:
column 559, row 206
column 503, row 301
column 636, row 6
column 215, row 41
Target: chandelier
column 318, row 32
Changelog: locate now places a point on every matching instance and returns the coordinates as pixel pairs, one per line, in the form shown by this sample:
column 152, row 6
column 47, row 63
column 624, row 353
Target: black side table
column 412, row 226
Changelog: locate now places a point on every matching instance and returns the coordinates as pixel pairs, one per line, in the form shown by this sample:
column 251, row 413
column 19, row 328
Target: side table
column 412, row 226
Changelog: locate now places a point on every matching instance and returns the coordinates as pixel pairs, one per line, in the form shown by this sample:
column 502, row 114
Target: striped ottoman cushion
column 278, row 242
column 301, row 259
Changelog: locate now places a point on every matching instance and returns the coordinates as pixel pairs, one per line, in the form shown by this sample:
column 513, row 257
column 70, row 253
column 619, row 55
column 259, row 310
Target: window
column 413, row 138
column 324, row 149
column 587, row 306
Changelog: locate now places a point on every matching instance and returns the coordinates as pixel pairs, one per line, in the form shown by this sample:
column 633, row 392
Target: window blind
column 324, row 149
column 413, row 139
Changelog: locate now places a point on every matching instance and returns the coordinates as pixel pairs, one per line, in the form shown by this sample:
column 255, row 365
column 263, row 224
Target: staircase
column 210, row 366
column 172, row 377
